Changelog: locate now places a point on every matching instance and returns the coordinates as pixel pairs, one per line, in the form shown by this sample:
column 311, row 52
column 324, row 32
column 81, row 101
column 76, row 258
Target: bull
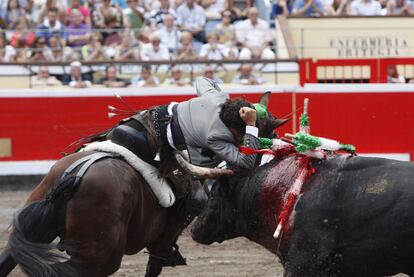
column 355, row 216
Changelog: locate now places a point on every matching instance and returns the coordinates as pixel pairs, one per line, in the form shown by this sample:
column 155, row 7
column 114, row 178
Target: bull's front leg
column 312, row 254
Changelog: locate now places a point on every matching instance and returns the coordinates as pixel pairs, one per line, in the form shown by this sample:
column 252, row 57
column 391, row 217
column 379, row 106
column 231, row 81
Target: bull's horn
column 202, row 172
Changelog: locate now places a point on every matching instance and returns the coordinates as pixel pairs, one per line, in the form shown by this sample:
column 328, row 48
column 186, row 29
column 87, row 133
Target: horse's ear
column 278, row 122
column 264, row 99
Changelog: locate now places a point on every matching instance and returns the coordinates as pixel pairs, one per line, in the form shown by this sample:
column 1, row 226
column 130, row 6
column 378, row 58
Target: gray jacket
column 209, row 141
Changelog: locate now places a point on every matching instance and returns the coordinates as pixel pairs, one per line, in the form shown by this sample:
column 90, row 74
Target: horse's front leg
column 164, row 251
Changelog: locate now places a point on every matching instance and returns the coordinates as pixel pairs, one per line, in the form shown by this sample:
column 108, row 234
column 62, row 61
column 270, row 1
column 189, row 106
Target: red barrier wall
column 41, row 127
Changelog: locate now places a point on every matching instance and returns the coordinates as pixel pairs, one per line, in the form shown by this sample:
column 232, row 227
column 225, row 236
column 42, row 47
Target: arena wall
column 37, row 125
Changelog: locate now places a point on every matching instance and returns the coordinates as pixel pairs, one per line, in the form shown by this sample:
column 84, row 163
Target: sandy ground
column 238, row 257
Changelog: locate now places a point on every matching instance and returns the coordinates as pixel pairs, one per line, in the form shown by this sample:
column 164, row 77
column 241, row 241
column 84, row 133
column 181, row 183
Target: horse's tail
column 35, row 226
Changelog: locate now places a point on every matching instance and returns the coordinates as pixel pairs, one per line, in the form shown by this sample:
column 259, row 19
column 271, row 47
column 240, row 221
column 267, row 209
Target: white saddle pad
column 158, row 185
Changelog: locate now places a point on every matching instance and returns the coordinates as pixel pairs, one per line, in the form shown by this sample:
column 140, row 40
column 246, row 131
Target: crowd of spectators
column 77, row 31
column 119, row 30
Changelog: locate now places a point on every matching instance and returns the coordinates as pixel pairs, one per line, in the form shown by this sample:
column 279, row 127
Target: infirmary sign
column 367, row 47
column 351, row 37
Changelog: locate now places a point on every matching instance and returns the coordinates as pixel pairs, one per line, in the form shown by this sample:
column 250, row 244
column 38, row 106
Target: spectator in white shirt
column 43, row 79
column 366, row 7
column 169, row 34
column 154, row 50
column 214, row 8
column 254, row 36
column 177, row 78
column 76, row 79
column 191, row 17
column 213, row 50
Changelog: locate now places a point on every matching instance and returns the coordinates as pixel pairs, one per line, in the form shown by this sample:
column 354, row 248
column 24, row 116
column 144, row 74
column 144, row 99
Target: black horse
column 355, row 216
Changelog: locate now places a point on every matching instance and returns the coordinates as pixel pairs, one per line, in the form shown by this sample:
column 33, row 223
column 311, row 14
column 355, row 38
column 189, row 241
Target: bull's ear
column 264, row 99
column 278, row 122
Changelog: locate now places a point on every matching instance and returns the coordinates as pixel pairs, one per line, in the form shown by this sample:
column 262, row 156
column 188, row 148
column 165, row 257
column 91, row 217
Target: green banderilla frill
column 304, row 120
column 265, row 143
column 304, row 142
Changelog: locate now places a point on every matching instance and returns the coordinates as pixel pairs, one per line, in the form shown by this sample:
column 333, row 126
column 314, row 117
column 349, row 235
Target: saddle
column 159, row 186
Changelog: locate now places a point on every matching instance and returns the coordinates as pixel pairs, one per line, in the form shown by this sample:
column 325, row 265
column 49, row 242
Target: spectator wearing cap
column 208, row 72
column 154, row 51
column 246, row 77
column 399, row 7
column 127, row 50
column 120, row 3
column 169, row 34
column 191, row 18
column 177, row 78
column 51, row 26
column 145, row 79
column 75, row 79
column 85, row 12
column 254, row 36
column 43, row 79
column 77, row 32
column 111, row 80
column 366, row 8
column 308, row 7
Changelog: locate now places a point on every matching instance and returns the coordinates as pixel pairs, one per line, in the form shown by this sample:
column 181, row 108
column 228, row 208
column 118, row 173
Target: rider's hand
column 248, row 115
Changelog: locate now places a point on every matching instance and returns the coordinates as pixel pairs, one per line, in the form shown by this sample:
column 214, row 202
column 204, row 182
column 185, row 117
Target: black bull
column 354, row 218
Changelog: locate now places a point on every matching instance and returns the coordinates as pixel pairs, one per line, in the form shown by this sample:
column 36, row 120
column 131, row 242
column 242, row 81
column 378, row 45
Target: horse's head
column 219, row 220
column 268, row 123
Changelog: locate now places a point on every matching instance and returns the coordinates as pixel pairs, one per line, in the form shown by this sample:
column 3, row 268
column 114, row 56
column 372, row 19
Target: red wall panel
column 41, row 127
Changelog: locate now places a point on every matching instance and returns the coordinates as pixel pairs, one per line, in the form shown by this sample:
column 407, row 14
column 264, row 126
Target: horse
column 355, row 216
column 107, row 213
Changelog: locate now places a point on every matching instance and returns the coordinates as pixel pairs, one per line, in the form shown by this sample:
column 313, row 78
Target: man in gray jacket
column 212, row 126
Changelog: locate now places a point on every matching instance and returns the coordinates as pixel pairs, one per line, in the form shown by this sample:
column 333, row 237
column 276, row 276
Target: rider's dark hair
column 230, row 116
